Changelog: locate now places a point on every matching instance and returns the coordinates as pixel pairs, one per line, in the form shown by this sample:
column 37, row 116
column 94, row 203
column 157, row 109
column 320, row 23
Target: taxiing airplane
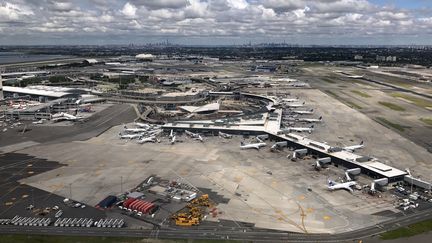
column 252, row 145
column 303, row 112
column 353, row 148
column 309, row 120
column 65, row 117
column 332, row 185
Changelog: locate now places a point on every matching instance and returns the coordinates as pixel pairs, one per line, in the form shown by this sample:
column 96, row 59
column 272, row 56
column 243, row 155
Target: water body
column 19, row 57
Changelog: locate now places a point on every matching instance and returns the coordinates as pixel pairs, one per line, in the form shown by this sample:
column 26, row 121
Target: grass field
column 349, row 103
column 85, row 239
column 387, row 123
column 354, row 105
column 391, row 106
column 362, row 94
column 331, row 93
column 411, row 230
column 427, row 121
column 416, row 100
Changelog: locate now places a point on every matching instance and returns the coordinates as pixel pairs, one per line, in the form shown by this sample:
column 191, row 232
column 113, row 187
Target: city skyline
column 213, row 22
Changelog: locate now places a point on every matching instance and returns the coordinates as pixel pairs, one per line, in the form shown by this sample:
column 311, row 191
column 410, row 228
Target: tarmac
column 263, row 188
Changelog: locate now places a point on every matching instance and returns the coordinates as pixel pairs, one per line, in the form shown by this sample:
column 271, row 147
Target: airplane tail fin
column 320, row 118
column 361, row 143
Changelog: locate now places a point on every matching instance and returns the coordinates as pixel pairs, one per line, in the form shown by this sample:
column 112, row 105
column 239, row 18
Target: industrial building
column 43, row 93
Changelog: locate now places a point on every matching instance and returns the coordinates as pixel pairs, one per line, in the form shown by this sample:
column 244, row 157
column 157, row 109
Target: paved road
column 225, row 233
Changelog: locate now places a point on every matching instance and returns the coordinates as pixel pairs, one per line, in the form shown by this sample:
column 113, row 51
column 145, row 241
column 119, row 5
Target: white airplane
column 295, row 105
column 142, row 125
column 252, row 145
column 355, row 76
column 41, row 121
column 130, row 136
column 303, row 112
column 199, row 138
column 225, row 135
column 155, row 132
column 151, row 139
column 354, row 147
column 134, row 130
column 309, row 120
column 298, row 85
column 298, row 129
column 191, row 134
column 290, row 100
column 65, row 117
column 332, row 185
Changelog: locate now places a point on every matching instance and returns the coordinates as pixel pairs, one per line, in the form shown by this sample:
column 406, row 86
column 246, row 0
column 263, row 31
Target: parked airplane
column 191, row 134
column 309, row 120
column 354, row 147
column 130, row 136
column 225, row 135
column 134, row 130
column 298, row 129
column 290, row 100
column 151, row 139
column 303, row 112
column 294, row 105
column 252, row 145
column 261, row 138
column 332, row 185
column 142, row 125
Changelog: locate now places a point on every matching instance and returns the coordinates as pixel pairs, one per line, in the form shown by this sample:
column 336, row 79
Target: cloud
column 13, row 12
column 210, row 20
column 160, row 4
column 129, row 10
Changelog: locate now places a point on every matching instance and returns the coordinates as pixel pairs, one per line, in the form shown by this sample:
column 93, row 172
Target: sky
column 216, row 22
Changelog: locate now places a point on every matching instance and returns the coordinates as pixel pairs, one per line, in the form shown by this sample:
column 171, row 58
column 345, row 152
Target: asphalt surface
column 93, row 126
